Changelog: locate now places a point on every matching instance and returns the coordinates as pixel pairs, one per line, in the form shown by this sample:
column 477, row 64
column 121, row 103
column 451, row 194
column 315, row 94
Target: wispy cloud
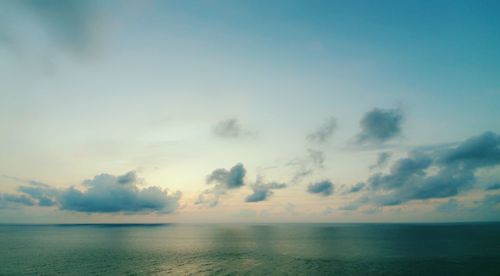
column 324, row 133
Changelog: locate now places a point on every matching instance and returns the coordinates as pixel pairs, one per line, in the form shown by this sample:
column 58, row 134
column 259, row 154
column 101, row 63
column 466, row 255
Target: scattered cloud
column 437, row 174
column 380, row 125
column 224, row 180
column 324, row 188
column 324, row 133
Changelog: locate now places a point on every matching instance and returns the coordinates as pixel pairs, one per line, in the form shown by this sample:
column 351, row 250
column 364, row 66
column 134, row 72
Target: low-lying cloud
column 104, row 193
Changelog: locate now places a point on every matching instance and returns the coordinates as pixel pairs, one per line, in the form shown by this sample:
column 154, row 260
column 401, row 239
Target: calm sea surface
column 293, row 249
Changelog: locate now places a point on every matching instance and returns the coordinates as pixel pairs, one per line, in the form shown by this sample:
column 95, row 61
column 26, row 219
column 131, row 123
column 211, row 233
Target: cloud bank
column 104, row 193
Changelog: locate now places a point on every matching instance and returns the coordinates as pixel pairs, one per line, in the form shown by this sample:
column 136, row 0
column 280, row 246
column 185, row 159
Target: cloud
column 493, row 187
column 380, row 125
column 324, row 133
column 262, row 191
column 110, row 194
column 324, row 188
column 8, row 201
column 224, row 180
column 480, row 151
column 230, row 128
column 234, row 178
column 104, row 193
column 441, row 173
column 44, row 195
column 382, row 160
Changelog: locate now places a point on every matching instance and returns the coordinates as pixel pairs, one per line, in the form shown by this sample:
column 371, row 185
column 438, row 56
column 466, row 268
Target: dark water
column 293, row 249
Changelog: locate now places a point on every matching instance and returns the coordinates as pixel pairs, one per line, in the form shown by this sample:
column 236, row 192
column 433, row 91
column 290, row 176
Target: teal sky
column 249, row 111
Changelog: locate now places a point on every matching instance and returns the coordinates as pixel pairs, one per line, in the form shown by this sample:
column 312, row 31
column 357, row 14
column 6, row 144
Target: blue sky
column 253, row 111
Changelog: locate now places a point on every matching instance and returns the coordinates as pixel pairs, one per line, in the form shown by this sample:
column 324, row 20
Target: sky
column 249, row 111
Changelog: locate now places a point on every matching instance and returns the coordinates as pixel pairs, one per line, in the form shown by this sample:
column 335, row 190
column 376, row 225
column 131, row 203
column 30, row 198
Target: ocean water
column 279, row 249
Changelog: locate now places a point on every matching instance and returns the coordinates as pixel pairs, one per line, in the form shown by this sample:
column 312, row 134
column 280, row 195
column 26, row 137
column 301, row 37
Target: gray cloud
column 324, row 188
column 481, row 151
column 230, row 128
column 380, row 125
column 109, row 194
column 104, row 193
column 324, row 133
column 262, row 191
column 234, row 178
column 44, row 195
column 224, row 180
column 8, row 201
column 437, row 174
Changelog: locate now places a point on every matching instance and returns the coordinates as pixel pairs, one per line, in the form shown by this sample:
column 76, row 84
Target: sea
column 244, row 249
